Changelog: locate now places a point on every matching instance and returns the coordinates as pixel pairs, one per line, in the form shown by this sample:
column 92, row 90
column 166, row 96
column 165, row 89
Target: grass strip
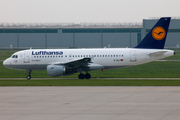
column 165, row 69
column 91, row 82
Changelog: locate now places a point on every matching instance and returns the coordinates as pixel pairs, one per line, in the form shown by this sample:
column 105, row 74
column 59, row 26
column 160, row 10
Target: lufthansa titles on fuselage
column 47, row 53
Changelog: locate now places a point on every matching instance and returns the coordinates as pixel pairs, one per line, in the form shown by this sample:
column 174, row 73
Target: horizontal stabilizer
column 157, row 53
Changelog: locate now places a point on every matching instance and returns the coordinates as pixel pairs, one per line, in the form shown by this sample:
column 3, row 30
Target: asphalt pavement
column 90, row 103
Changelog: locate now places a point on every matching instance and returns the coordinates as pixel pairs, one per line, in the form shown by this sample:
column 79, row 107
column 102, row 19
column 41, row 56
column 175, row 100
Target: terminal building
column 83, row 35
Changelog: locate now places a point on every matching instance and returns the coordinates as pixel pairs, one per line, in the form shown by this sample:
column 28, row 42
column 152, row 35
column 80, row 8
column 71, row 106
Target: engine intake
column 55, row 70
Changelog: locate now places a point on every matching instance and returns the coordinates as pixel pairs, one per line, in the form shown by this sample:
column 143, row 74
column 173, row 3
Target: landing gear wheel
column 87, row 76
column 81, row 76
column 28, row 77
column 29, row 74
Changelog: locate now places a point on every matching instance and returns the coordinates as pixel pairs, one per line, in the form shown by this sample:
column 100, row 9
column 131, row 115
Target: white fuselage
column 109, row 58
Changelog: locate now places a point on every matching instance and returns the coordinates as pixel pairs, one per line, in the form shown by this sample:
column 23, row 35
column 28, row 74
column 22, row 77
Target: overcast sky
column 57, row 11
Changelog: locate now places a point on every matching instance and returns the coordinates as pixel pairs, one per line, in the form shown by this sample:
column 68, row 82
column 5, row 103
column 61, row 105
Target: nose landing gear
column 29, row 75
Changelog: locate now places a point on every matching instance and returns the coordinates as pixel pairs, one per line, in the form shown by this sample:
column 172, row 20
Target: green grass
column 4, row 54
column 165, row 69
column 92, row 82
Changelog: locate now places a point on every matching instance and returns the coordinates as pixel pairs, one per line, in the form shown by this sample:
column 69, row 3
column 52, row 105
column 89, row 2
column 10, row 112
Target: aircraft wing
column 157, row 53
column 74, row 63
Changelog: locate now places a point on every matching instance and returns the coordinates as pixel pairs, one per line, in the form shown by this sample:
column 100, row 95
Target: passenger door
column 26, row 56
column 133, row 56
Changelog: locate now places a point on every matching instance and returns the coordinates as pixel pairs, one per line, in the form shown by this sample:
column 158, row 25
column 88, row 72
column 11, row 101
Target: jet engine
column 55, row 70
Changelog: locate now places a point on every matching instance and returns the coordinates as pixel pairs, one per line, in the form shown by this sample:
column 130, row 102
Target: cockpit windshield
column 14, row 56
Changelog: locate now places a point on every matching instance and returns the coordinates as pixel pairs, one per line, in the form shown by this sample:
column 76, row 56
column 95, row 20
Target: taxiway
column 90, row 103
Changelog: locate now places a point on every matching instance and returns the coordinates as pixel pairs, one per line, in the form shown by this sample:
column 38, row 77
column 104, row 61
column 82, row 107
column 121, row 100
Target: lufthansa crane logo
column 158, row 33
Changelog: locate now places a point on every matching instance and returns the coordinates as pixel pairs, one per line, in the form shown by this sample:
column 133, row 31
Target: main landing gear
column 82, row 76
column 29, row 75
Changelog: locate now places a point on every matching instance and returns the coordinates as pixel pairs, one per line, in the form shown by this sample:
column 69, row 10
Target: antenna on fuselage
column 30, row 48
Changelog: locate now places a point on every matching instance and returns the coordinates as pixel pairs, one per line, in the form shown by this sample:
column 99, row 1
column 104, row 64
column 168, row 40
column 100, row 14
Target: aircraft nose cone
column 5, row 63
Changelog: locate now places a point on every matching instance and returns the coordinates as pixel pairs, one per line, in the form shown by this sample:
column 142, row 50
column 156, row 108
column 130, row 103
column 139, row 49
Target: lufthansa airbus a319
column 59, row 62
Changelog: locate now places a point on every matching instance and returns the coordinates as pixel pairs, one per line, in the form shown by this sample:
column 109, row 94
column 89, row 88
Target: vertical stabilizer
column 156, row 37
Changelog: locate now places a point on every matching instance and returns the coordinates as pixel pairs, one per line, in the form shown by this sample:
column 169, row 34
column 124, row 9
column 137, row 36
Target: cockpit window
column 15, row 56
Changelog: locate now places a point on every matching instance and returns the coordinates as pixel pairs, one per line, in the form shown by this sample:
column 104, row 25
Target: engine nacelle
column 55, row 70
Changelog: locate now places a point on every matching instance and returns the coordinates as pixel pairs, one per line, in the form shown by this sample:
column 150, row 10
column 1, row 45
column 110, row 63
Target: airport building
column 83, row 35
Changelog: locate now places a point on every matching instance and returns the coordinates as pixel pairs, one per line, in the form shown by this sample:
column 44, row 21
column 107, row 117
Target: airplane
column 62, row 62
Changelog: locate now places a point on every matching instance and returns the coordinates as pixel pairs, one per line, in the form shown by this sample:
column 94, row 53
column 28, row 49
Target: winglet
column 156, row 37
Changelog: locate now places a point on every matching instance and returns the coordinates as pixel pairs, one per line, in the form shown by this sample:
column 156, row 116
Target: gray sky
column 53, row 11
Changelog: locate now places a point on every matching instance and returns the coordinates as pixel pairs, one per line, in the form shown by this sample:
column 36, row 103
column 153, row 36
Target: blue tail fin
column 156, row 38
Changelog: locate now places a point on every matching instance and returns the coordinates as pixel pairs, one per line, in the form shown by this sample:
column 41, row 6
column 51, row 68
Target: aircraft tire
column 81, row 76
column 28, row 77
column 87, row 76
